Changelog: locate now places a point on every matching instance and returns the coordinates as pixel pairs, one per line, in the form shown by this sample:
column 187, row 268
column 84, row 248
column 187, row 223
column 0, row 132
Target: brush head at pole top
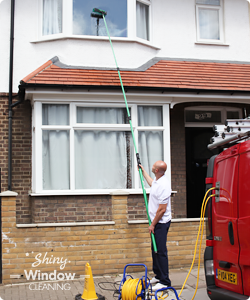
column 98, row 13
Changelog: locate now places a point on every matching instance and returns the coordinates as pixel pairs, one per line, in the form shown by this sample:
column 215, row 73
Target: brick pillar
column 8, row 226
column 120, row 207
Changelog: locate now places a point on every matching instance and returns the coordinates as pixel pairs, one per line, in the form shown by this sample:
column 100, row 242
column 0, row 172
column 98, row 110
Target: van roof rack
column 234, row 131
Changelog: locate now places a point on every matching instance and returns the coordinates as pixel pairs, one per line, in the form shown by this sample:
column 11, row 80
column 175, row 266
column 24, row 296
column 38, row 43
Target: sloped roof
column 161, row 73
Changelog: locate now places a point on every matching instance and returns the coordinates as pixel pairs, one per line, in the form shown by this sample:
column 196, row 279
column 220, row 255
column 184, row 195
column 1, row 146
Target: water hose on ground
column 200, row 231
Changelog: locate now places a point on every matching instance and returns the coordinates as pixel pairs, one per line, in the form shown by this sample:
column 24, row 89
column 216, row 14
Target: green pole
column 103, row 13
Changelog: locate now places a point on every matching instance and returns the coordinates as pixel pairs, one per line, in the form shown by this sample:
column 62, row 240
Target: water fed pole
column 100, row 14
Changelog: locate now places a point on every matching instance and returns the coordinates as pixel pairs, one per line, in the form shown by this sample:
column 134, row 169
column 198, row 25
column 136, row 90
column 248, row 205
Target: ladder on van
column 232, row 132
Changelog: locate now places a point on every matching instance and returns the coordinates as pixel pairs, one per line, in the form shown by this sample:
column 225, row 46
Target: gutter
column 24, row 85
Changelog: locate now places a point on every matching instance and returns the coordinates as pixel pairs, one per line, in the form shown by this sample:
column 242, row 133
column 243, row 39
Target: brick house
column 177, row 88
column 185, row 66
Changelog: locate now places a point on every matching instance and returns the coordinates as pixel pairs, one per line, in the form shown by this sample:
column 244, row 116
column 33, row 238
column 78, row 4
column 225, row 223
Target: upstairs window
column 209, row 20
column 125, row 18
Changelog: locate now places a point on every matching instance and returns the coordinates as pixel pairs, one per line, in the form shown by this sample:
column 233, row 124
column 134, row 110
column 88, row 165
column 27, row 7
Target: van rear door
column 244, row 215
column 224, row 222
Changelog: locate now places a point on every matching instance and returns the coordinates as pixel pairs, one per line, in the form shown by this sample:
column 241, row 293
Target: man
column 159, row 208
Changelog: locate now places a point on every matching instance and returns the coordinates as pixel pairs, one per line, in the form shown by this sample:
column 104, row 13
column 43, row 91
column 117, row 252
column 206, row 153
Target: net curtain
column 101, row 156
column 142, row 21
column 55, row 148
column 52, row 16
column 150, row 142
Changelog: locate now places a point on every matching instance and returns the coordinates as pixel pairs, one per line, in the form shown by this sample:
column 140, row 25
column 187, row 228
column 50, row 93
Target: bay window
column 209, row 19
column 125, row 18
column 87, row 148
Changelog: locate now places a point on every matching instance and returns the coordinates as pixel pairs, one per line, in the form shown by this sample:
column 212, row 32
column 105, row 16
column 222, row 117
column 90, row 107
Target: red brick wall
column 178, row 160
column 21, row 154
column 137, row 209
column 71, row 209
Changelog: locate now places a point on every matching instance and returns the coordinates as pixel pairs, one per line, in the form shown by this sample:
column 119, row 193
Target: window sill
column 172, row 221
column 36, row 225
column 212, row 43
column 91, row 192
column 95, row 38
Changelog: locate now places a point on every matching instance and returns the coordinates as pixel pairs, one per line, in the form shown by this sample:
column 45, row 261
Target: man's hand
column 145, row 175
column 141, row 168
column 151, row 229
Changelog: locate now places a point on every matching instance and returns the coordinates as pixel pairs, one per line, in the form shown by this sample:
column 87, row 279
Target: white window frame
column 37, row 167
column 220, row 9
column 67, row 22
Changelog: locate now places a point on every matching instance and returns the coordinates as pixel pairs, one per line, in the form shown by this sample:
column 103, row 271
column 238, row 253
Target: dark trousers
column 160, row 259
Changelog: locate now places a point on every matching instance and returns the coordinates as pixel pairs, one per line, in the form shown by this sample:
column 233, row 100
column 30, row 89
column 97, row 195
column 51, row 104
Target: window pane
column 150, row 116
column 52, row 16
column 209, row 2
column 55, row 159
column 150, row 149
column 103, row 160
column 55, row 114
column 116, row 17
column 102, row 115
column 203, row 116
column 142, row 20
column 233, row 115
column 209, row 24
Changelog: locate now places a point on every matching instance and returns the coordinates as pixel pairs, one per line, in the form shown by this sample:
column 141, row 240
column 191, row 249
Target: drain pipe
column 10, row 95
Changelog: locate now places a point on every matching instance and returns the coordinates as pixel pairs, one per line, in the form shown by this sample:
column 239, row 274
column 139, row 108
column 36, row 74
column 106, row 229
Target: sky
column 116, row 17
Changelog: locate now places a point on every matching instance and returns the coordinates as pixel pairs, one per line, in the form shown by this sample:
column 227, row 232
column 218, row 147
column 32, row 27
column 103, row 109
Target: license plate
column 225, row 276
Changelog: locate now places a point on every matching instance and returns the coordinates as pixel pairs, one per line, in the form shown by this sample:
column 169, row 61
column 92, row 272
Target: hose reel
column 140, row 288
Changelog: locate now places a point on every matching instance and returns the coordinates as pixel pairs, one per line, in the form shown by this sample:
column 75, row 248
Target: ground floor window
column 85, row 147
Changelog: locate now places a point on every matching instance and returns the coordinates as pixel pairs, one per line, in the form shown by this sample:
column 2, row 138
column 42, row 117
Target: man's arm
column 160, row 212
column 146, row 176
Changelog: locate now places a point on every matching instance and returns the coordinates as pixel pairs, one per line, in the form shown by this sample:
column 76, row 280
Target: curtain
column 102, row 158
column 209, row 24
column 101, row 115
column 55, row 148
column 208, row 2
column 150, row 142
column 52, row 16
column 142, row 21
column 55, row 160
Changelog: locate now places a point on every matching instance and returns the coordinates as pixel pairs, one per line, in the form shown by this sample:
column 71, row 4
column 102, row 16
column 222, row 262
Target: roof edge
column 40, row 69
column 146, row 65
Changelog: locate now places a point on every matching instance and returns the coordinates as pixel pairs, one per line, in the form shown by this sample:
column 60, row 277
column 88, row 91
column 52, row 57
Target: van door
column 244, row 215
column 225, row 214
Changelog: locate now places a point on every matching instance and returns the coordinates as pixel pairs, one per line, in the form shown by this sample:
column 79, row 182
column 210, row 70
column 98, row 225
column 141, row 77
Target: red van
column 227, row 253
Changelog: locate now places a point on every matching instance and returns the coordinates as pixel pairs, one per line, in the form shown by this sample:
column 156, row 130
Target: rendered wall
column 173, row 35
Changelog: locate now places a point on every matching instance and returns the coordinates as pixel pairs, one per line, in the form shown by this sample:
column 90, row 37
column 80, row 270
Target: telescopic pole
column 103, row 13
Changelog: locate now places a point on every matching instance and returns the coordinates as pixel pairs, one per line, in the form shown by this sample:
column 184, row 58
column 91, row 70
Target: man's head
column 159, row 168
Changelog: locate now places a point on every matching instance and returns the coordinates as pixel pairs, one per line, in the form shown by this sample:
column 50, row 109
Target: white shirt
column 160, row 193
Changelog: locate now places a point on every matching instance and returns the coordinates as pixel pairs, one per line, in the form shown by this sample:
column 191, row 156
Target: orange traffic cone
column 89, row 287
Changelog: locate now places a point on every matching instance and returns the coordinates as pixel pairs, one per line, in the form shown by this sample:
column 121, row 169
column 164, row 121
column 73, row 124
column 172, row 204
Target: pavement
column 104, row 285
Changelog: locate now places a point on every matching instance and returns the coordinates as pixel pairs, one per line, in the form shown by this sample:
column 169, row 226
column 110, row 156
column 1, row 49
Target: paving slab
column 107, row 286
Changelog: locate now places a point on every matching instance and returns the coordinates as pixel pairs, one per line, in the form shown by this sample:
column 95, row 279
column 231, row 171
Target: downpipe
column 10, row 95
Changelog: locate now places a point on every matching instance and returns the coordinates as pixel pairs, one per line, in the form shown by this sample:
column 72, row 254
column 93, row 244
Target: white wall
column 173, row 35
